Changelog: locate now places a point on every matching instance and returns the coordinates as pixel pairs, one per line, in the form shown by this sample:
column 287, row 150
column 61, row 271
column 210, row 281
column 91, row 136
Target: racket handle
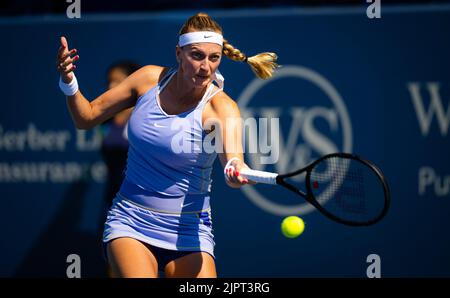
column 259, row 176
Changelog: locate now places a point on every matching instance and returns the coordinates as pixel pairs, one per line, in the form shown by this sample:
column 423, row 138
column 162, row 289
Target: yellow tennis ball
column 292, row 226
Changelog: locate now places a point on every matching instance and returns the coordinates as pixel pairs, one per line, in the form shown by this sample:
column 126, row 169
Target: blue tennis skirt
column 178, row 231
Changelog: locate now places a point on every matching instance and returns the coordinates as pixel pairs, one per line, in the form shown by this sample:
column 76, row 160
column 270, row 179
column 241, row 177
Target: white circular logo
column 343, row 119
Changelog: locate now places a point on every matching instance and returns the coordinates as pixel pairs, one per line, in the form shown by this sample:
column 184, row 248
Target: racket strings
column 349, row 189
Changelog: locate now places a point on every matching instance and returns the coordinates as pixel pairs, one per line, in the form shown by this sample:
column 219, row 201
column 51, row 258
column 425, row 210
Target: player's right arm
column 88, row 114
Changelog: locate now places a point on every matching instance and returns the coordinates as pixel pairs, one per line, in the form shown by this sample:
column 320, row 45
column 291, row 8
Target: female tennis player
column 160, row 220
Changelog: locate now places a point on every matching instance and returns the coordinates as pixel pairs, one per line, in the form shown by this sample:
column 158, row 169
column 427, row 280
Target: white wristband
column 69, row 89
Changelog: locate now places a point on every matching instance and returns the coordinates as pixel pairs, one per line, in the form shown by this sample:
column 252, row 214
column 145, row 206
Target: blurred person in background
column 114, row 147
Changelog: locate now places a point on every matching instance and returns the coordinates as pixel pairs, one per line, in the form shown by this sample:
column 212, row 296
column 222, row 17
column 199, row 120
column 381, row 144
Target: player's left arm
column 226, row 119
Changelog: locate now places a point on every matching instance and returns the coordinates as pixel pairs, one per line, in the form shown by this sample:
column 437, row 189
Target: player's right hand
column 232, row 177
column 64, row 61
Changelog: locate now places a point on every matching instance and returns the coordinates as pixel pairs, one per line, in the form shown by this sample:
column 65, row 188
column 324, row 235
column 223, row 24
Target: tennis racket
column 344, row 187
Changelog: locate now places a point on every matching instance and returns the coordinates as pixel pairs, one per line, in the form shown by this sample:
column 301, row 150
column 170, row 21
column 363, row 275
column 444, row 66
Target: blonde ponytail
column 263, row 64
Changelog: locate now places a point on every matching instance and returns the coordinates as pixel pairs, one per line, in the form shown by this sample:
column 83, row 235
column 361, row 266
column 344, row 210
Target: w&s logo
column 313, row 121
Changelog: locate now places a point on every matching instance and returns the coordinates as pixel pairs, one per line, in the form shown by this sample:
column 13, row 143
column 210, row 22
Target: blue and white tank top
column 166, row 156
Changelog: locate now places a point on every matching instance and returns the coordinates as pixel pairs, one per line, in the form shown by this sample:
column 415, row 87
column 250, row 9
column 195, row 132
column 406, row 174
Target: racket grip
column 259, row 176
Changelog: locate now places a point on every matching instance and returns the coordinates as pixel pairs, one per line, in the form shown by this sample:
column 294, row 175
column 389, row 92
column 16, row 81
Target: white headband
column 200, row 36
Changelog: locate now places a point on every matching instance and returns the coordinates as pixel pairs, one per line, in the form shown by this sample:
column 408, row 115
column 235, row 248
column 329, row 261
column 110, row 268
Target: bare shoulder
column 147, row 77
column 222, row 106
column 219, row 108
column 152, row 72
